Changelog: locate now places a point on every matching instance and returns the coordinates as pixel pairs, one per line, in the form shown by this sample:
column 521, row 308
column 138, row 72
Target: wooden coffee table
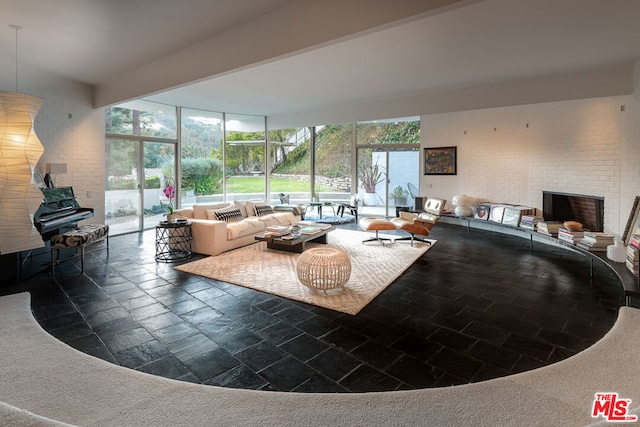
column 296, row 245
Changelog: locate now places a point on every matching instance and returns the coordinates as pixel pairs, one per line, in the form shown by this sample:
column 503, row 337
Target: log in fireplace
column 589, row 210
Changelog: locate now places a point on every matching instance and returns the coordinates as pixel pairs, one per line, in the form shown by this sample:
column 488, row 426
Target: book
column 278, row 229
column 319, row 225
column 633, row 260
column 549, row 227
column 513, row 214
column 570, row 236
column 530, row 222
column 309, row 230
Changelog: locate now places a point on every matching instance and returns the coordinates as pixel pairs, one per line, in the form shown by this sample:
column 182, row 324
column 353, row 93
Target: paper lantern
column 20, row 150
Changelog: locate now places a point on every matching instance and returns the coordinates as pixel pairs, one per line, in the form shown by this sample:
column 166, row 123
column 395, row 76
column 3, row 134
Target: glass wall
column 245, row 157
column 140, row 148
column 223, row 157
column 201, row 157
column 388, row 164
column 332, row 179
column 290, row 159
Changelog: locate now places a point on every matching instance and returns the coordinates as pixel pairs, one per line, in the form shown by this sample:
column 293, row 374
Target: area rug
column 373, row 268
column 329, row 219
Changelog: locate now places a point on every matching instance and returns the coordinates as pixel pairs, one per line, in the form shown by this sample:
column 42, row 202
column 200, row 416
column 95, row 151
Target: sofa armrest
column 209, row 236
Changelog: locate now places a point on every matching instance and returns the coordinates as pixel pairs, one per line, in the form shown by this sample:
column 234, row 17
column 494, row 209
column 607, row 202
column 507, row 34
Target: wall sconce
column 20, row 151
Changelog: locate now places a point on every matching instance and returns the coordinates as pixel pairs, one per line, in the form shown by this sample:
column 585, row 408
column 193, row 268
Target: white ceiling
column 480, row 43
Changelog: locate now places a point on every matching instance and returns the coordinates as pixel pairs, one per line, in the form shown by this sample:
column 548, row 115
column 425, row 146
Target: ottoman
column 376, row 224
column 323, row 269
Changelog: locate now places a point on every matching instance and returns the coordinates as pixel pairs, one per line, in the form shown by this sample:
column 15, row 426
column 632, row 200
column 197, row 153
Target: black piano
column 59, row 209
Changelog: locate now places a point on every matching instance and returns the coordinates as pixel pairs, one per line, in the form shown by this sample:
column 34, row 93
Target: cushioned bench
column 79, row 238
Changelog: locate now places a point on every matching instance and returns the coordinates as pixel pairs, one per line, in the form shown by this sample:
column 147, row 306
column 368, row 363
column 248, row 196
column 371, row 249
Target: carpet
column 330, row 219
column 373, row 268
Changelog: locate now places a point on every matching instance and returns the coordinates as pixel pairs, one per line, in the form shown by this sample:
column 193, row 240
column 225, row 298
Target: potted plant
column 399, row 196
column 370, row 177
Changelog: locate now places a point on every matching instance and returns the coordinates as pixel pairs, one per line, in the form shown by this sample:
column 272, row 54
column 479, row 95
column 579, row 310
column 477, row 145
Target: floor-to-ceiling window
column 244, row 156
column 223, row 157
column 201, row 157
column 388, row 164
column 332, row 162
column 139, row 162
column 290, row 164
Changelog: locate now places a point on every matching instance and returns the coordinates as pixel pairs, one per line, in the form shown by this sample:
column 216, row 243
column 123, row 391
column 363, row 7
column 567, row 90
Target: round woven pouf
column 323, row 269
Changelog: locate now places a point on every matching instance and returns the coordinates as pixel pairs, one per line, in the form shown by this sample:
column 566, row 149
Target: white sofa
column 212, row 236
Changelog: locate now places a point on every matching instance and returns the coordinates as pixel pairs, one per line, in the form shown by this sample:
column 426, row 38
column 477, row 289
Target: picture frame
column 440, row 161
column 633, row 223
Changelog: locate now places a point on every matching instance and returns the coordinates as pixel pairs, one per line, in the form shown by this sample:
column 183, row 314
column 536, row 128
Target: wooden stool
column 79, row 237
column 376, row 224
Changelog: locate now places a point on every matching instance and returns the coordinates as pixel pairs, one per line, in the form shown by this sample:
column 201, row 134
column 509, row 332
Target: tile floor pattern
column 479, row 305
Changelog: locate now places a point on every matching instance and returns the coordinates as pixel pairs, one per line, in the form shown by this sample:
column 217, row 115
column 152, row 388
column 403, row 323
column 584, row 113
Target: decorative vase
column 295, row 231
column 617, row 252
column 171, row 218
column 370, row 199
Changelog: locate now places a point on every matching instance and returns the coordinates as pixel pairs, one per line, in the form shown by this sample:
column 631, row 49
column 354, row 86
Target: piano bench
column 79, row 238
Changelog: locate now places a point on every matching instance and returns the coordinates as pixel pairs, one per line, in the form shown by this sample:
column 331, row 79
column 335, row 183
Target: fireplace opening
column 588, row 210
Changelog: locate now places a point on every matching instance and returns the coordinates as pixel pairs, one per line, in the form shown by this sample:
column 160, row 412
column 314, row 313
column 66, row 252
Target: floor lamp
column 20, row 150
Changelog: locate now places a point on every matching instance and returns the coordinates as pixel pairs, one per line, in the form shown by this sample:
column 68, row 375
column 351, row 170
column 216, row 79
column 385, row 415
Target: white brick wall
column 77, row 141
column 512, row 154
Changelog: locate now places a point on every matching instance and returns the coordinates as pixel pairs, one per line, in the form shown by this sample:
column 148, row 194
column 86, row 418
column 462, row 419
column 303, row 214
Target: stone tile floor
column 478, row 305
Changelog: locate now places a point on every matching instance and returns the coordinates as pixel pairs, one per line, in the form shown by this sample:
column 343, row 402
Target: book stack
column 549, row 228
column 276, row 231
column 595, row 241
column 317, row 225
column 530, row 221
column 309, row 230
column 513, row 214
column 633, row 259
column 567, row 235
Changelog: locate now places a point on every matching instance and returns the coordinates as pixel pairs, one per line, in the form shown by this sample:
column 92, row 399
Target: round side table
column 173, row 241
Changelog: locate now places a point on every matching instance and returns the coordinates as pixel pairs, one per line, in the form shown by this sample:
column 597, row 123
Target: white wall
column 512, row 154
column 77, row 141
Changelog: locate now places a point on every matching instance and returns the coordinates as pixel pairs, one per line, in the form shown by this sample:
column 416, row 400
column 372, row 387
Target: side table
column 173, row 241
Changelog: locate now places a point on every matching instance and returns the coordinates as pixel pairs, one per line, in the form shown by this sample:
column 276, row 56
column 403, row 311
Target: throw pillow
column 228, row 215
column 262, row 210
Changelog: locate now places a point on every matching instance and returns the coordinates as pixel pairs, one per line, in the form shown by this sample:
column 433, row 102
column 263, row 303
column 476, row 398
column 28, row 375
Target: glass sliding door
column 388, row 164
column 123, row 211
column 136, row 173
column 140, row 141
column 245, row 168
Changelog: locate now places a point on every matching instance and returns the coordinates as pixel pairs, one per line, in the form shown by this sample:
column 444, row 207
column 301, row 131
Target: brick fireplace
column 589, row 210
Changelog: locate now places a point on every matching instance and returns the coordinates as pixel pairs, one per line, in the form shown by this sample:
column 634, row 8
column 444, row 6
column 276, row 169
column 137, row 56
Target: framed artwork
column 440, row 161
column 633, row 223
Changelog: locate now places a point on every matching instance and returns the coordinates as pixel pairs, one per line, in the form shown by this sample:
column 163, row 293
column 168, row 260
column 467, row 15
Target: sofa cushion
column 251, row 206
column 262, row 210
column 200, row 211
column 226, row 215
column 246, row 227
column 242, row 205
column 279, row 218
